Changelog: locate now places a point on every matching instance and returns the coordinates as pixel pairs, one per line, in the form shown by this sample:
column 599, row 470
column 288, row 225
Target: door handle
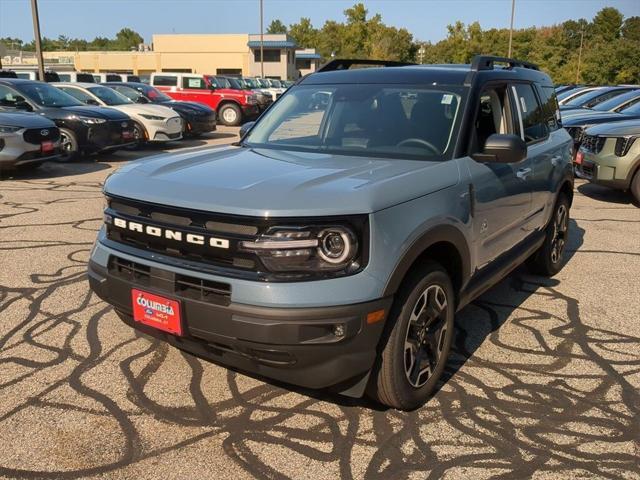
column 556, row 160
column 523, row 173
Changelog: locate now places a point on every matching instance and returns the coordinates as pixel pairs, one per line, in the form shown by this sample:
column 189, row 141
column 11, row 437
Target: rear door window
column 550, row 107
column 534, row 126
column 197, row 83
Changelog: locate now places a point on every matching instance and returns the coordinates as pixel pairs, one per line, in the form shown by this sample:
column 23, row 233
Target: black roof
column 18, row 81
column 482, row 68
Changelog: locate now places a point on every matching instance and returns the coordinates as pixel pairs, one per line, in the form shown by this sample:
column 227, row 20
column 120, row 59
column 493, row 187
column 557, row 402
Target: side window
column 77, row 94
column 194, row 82
column 64, row 77
column 493, row 116
column 165, row 81
column 534, row 126
column 8, row 97
column 550, row 106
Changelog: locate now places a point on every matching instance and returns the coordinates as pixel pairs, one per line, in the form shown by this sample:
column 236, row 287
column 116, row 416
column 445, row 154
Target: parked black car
column 198, row 117
column 83, row 129
column 615, row 104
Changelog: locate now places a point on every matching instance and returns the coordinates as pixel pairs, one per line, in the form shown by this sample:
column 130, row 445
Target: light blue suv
column 332, row 246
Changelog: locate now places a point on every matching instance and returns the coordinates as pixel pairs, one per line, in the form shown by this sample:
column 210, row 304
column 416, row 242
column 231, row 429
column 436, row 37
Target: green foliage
column 611, row 47
column 126, row 39
column 276, row 26
column 359, row 36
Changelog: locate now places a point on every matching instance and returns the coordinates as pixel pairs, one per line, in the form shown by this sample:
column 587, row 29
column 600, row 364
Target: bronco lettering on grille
column 169, row 234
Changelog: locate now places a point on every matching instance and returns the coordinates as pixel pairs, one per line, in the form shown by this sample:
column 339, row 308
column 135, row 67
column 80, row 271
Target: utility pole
column 580, row 55
column 261, row 43
column 36, row 34
column 513, row 11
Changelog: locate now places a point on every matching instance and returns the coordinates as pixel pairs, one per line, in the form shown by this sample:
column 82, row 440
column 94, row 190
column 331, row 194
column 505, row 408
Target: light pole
column 513, row 10
column 36, row 34
column 580, row 55
column 261, row 43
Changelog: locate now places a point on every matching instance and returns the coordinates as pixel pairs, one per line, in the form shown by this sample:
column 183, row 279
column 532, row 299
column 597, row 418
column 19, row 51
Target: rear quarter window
column 550, row 106
column 534, row 121
column 165, row 81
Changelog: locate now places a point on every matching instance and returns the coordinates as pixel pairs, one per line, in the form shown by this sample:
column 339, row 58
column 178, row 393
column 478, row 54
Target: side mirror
column 502, row 148
column 91, row 101
column 244, row 129
column 22, row 104
column 142, row 100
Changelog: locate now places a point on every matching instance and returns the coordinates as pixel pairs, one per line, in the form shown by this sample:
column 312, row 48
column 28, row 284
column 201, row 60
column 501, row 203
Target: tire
column 138, row 135
column 547, row 260
column 635, row 189
column 230, row 115
column 69, row 144
column 420, row 326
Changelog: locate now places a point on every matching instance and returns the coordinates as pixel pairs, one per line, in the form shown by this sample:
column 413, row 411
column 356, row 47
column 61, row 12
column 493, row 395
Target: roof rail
column 485, row 62
column 347, row 63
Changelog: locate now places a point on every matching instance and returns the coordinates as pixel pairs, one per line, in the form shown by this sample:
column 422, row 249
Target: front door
column 502, row 192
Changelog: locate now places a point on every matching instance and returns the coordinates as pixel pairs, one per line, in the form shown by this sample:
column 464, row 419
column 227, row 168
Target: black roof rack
column 485, row 62
column 8, row 74
column 347, row 63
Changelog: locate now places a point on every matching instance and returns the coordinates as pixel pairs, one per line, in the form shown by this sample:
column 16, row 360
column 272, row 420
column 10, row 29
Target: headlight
column 623, row 145
column 318, row 249
column 91, row 120
column 9, row 129
column 151, row 117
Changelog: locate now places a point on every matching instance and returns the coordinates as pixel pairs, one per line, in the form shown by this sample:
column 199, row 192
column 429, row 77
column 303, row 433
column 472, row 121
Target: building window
column 229, row 71
column 303, row 64
column 270, row 55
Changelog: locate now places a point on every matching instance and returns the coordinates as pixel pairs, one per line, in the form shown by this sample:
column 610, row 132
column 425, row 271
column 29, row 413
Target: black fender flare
column 440, row 233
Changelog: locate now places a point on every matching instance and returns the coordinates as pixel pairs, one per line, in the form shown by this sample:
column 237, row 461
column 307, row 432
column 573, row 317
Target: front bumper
column 606, row 170
column 105, row 136
column 292, row 345
column 165, row 130
column 250, row 111
column 200, row 124
column 14, row 152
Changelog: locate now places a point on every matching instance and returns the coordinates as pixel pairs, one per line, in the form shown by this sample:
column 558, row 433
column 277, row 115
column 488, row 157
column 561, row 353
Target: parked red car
column 233, row 107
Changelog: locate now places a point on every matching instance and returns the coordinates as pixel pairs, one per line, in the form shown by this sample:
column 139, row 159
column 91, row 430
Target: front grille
column 170, row 283
column 588, row 170
column 593, row 143
column 227, row 228
column 38, row 135
column 576, row 133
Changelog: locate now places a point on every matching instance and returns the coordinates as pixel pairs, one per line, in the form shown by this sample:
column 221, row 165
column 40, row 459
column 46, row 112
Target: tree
column 126, row 39
column 304, row 33
column 631, row 29
column 276, row 26
column 607, row 24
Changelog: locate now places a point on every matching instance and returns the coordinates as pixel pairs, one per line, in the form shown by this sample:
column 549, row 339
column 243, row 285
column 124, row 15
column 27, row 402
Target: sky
column 426, row 19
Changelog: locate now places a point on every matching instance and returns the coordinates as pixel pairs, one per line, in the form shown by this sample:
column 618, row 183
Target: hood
column 592, row 118
column 146, row 109
column 98, row 112
column 189, row 108
column 616, row 129
column 275, row 183
column 25, row 120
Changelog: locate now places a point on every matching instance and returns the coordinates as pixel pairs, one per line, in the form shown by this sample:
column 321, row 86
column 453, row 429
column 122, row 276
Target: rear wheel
column 68, row 145
column 230, row 114
column 417, row 341
column 548, row 258
column 138, row 135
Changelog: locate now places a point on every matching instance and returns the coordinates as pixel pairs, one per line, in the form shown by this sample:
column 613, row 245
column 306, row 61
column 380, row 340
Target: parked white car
column 152, row 123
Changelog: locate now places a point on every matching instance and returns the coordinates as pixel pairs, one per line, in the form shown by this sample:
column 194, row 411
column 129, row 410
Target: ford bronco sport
column 332, row 245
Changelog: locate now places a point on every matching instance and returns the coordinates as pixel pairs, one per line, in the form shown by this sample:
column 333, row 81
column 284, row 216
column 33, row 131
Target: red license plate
column 579, row 157
column 156, row 311
column 46, row 147
column 127, row 135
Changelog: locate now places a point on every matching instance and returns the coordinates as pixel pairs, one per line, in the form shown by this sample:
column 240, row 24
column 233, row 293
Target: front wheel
column 635, row 189
column 547, row 260
column 68, row 145
column 417, row 341
column 230, row 114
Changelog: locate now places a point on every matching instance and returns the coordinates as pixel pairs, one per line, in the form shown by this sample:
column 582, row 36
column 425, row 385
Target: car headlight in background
column 623, row 145
column 333, row 249
column 9, row 129
column 90, row 120
column 151, row 117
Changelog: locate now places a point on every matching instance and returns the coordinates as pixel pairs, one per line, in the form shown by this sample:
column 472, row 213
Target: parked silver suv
column 27, row 140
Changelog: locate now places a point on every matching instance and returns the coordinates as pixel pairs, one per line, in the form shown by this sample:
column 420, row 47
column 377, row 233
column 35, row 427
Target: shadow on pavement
column 604, row 194
column 55, row 169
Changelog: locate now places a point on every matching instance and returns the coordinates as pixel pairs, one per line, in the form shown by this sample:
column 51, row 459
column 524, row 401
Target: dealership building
column 223, row 54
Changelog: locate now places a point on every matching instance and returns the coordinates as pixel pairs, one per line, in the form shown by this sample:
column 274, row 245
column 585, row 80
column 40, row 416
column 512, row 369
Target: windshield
column 394, row 121
column 595, row 97
column 262, row 83
column 568, row 93
column 251, row 83
column 109, row 96
column 632, row 110
column 615, row 102
column 155, row 95
column 234, row 83
column 276, row 83
column 47, row 96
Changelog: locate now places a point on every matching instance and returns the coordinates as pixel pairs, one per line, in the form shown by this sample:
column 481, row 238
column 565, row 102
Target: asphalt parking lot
column 544, row 381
